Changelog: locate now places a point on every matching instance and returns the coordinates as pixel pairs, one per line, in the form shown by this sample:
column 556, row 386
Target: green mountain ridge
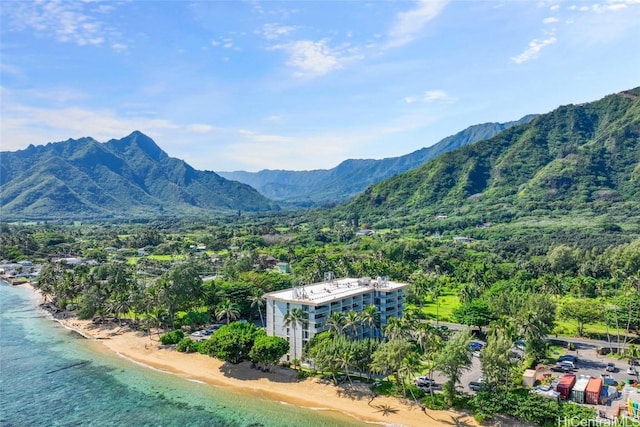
column 352, row 176
column 131, row 176
column 577, row 157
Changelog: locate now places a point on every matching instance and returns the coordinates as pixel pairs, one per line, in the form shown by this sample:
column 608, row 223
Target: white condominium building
column 319, row 300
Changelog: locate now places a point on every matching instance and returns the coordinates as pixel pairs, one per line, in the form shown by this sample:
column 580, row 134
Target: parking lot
column 589, row 363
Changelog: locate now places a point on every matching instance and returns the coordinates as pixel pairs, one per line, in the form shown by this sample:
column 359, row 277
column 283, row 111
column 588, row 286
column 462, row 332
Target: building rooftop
column 335, row 289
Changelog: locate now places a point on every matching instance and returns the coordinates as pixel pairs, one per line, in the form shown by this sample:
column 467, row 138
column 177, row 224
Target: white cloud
column 437, row 95
column 257, row 151
column 610, row 5
column 66, row 21
column 119, row 47
column 550, row 20
column 409, row 24
column 533, row 50
column 554, row 7
column 200, row 128
column 311, row 58
column 12, row 70
column 431, row 96
column 23, row 125
column 275, row 31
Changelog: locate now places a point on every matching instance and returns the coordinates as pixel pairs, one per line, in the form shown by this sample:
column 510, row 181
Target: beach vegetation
column 172, row 337
column 180, row 288
column 193, row 319
column 187, row 345
column 294, row 318
column 227, row 311
column 452, row 360
column 394, row 359
column 527, row 407
column 233, row 342
column 268, row 350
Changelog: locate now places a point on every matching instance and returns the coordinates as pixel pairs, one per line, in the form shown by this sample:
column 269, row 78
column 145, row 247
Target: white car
column 423, row 381
column 631, row 371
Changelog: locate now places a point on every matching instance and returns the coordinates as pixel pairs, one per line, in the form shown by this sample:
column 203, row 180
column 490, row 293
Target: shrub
column 172, row 337
column 436, row 402
column 187, row 345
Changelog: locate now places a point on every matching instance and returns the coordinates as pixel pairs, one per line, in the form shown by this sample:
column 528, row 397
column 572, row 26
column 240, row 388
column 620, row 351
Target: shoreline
column 281, row 385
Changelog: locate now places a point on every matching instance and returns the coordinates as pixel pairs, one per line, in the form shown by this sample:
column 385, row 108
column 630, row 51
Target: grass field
column 166, row 258
column 447, row 302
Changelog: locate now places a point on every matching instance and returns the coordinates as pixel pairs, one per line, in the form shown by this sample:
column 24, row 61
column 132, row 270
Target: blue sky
column 231, row 85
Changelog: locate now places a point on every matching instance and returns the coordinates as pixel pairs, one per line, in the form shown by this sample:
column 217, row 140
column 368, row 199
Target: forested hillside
column 326, row 186
column 578, row 161
column 129, row 177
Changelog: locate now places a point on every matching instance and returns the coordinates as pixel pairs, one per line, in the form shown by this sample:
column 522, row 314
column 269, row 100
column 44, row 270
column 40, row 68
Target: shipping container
column 565, row 385
column 578, row 391
column 592, row 392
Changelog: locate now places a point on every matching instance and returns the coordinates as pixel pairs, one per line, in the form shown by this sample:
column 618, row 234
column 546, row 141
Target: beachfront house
column 319, row 300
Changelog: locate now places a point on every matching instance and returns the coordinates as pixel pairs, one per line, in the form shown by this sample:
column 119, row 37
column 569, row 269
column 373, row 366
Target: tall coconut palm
column 370, row 318
column 257, row 300
column 227, row 310
column 336, row 322
column 352, row 323
column 292, row 319
column 395, row 328
column 346, row 359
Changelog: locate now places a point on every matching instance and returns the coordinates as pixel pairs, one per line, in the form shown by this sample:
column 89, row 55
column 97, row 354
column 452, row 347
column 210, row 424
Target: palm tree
column 336, row 322
column 452, row 360
column 292, row 319
column 346, row 359
column 120, row 305
column 370, row 318
column 352, row 322
column 258, row 300
column 227, row 310
column 435, row 293
column 423, row 334
column 395, row 328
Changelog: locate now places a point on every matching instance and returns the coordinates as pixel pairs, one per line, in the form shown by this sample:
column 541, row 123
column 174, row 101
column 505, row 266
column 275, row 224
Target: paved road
column 580, row 342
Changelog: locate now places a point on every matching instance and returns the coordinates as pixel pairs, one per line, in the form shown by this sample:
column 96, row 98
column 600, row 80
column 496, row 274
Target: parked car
column 608, row 380
column 475, row 385
column 475, row 346
column 423, row 381
column 611, row 367
column 634, row 362
column 631, row 371
column 568, row 358
column 561, row 368
column 428, row 388
column 568, row 364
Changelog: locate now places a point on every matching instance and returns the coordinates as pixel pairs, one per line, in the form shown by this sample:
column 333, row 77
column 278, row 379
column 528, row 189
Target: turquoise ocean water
column 50, row 376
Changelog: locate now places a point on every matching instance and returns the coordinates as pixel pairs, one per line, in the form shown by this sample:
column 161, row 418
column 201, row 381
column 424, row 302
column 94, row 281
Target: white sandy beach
column 279, row 385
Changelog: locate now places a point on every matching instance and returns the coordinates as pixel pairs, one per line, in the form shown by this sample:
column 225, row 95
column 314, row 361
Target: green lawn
column 166, row 258
column 447, row 302
column 569, row 329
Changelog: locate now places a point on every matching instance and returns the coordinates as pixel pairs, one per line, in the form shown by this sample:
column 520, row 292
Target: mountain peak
column 140, row 141
column 124, row 177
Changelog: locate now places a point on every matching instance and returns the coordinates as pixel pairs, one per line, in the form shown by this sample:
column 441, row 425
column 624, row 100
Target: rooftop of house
column 334, row 289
